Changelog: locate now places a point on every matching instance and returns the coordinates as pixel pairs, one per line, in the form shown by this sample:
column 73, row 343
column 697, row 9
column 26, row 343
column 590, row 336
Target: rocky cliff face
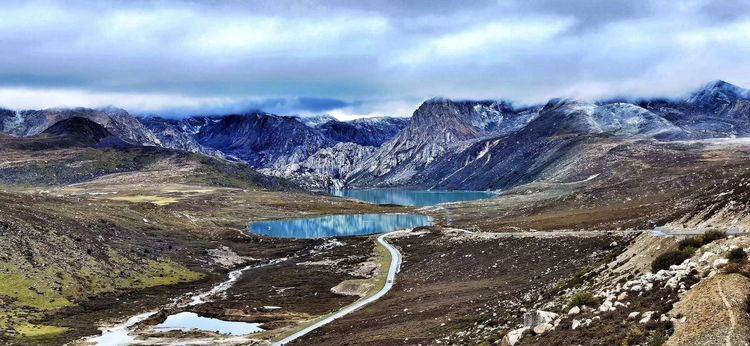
column 262, row 140
column 327, row 168
column 436, row 127
column 179, row 134
column 366, row 132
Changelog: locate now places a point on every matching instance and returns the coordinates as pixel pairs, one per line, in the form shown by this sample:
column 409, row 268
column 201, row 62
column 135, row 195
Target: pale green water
column 414, row 198
column 338, row 225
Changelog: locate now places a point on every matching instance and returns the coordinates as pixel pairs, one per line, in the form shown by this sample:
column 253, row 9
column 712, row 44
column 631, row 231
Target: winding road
column 392, row 270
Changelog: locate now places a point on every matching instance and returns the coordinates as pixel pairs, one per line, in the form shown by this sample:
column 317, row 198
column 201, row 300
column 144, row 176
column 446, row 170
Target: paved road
column 667, row 232
column 392, row 270
column 658, row 231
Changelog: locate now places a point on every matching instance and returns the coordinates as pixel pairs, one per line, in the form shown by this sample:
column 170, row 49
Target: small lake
column 414, row 198
column 187, row 321
column 338, row 225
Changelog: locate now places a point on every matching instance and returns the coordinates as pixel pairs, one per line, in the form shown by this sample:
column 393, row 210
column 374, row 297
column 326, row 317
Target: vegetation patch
column 737, row 255
column 29, row 293
column 584, row 298
column 695, row 242
column 39, row 331
column 669, row 258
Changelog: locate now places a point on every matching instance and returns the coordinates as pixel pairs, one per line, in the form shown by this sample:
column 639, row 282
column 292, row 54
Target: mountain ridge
column 439, row 146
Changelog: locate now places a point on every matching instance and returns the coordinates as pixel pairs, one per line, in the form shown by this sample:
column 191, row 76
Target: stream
column 119, row 334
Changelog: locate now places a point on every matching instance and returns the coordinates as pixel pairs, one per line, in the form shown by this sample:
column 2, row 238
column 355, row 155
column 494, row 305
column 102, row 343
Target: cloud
column 368, row 57
column 476, row 42
column 165, row 104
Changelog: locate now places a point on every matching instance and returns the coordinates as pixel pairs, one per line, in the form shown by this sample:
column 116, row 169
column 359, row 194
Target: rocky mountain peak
column 717, row 92
column 556, row 104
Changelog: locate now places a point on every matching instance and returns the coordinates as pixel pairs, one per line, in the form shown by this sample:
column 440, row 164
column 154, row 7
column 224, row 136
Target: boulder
column 706, row 256
column 534, row 318
column 575, row 324
column 606, row 306
column 542, row 328
column 646, row 317
column 513, row 336
column 720, row 262
column 574, row 310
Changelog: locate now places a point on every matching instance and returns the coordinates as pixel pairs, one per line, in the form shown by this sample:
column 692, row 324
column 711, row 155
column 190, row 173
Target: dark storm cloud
column 361, row 57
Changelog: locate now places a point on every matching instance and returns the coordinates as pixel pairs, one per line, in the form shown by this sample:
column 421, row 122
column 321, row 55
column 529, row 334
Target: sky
column 361, row 58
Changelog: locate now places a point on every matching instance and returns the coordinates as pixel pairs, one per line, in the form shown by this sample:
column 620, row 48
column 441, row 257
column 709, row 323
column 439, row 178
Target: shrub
column 657, row 340
column 584, row 298
column 669, row 258
column 694, row 242
column 737, row 255
column 710, row 236
column 702, row 239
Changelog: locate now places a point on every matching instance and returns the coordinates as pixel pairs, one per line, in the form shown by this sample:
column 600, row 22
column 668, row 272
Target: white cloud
column 26, row 98
column 375, row 57
column 485, row 37
column 264, row 35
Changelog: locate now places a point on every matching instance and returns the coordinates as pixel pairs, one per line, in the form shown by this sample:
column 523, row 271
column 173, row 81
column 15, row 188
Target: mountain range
column 445, row 144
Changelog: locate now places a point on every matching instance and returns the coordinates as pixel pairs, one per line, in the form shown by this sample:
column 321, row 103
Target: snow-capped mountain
column 719, row 109
column 276, row 143
column 315, row 120
column 481, row 145
column 616, row 119
column 553, row 136
column 436, row 127
column 720, row 98
column 445, row 144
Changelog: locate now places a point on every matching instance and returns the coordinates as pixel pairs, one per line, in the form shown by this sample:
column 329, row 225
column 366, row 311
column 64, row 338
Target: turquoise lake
column 338, row 225
column 414, row 198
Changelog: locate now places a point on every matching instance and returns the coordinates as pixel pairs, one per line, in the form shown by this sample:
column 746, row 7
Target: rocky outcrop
column 327, row 168
column 536, row 322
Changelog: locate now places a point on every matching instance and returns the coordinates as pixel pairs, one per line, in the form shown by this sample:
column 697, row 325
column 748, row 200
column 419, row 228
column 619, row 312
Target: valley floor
column 81, row 255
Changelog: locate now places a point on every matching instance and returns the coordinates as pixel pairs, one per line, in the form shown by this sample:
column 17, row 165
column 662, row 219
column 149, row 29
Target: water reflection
column 338, row 225
column 411, row 197
column 187, row 321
